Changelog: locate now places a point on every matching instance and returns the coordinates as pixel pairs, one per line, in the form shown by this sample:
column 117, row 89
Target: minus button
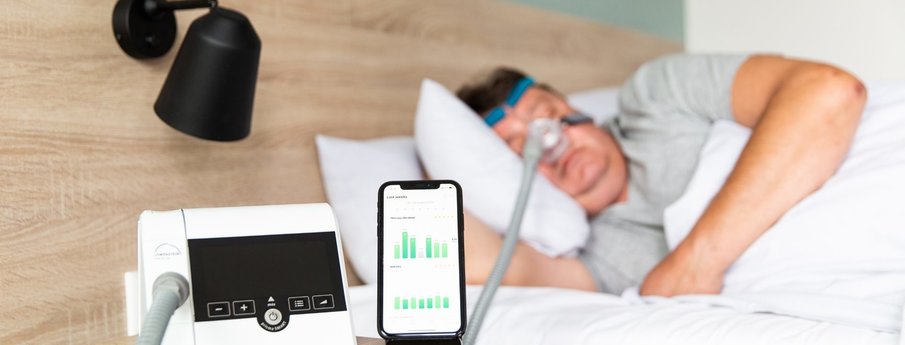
column 218, row 309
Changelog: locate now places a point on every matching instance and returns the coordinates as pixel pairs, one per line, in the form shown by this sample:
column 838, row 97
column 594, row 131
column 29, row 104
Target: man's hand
column 683, row 272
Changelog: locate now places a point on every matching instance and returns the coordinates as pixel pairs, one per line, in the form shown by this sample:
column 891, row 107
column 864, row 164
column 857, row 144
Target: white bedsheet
column 529, row 316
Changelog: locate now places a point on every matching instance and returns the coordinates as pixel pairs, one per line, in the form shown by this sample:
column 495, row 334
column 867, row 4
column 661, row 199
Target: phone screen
column 422, row 284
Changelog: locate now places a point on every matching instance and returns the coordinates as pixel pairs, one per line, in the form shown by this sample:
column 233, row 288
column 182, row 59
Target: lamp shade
column 210, row 90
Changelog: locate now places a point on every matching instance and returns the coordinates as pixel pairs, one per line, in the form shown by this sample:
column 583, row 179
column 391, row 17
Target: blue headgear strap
column 496, row 114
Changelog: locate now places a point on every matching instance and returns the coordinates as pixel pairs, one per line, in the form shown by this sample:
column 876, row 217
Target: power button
column 273, row 317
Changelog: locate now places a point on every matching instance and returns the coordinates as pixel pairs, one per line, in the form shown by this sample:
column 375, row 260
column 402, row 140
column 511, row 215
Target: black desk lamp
column 209, row 92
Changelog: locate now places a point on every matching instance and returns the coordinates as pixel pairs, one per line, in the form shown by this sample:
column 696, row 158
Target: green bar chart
column 407, row 248
column 421, row 302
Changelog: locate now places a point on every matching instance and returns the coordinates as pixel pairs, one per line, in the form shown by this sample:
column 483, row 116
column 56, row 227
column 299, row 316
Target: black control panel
column 267, row 278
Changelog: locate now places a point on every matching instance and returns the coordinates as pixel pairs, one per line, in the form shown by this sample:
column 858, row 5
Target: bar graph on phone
column 407, row 247
column 420, row 302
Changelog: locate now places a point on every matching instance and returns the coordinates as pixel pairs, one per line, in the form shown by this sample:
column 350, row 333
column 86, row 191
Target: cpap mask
column 549, row 133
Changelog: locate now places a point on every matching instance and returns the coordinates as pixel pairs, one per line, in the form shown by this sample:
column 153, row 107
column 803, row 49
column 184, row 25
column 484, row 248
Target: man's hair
column 491, row 90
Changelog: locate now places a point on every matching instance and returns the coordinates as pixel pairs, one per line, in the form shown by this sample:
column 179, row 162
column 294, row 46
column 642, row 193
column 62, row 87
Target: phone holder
column 257, row 275
column 456, row 341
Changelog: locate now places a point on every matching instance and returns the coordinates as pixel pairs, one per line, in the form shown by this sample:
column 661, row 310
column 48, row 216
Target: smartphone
column 421, row 266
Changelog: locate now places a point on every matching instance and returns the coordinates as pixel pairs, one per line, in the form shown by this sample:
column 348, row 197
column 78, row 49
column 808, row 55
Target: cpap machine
column 241, row 275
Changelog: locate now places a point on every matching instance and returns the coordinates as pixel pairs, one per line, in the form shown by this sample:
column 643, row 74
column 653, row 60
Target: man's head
column 592, row 170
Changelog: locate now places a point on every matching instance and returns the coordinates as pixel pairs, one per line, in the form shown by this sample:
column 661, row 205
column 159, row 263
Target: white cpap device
column 247, row 275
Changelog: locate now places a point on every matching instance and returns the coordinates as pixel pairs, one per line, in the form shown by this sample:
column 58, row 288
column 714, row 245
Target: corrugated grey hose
column 170, row 290
column 531, row 154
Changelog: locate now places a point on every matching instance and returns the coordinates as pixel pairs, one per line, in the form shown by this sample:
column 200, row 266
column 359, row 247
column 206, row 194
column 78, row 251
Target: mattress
column 526, row 316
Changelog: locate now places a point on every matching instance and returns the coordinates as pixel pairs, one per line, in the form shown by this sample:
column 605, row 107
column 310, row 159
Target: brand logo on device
column 166, row 250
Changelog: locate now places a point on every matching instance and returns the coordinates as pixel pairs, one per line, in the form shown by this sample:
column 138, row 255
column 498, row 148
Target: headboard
column 82, row 152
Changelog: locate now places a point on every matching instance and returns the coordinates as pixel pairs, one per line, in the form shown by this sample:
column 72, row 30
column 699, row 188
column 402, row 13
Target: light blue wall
column 662, row 18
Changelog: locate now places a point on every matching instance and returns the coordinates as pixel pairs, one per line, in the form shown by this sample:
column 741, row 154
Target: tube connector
column 169, row 291
column 174, row 282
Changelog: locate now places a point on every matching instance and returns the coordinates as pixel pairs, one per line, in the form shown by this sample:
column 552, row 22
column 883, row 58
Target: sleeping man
column 624, row 174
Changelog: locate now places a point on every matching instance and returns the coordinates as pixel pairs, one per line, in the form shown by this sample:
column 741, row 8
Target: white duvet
column 839, row 255
column 550, row 316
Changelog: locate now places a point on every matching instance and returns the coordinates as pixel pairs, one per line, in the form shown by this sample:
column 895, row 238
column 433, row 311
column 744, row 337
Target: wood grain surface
column 82, row 152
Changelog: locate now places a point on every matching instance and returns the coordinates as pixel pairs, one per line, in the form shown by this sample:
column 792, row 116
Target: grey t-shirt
column 666, row 110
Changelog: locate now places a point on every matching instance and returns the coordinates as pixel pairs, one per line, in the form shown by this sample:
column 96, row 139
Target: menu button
column 299, row 303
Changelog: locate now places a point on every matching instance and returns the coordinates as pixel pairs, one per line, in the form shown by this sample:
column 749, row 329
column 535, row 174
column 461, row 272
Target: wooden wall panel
column 82, row 153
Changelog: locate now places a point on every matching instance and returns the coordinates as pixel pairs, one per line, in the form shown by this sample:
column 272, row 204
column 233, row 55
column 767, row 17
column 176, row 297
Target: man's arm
column 803, row 116
column 528, row 267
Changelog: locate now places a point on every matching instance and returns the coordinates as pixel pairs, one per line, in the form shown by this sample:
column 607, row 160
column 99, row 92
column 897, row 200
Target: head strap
column 496, row 114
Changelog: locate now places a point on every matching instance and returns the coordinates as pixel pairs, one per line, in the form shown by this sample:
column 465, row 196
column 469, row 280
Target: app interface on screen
column 420, row 260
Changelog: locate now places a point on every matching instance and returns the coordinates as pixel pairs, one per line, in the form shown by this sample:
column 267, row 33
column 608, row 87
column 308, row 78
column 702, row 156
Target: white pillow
column 842, row 243
column 353, row 171
column 601, row 104
column 454, row 143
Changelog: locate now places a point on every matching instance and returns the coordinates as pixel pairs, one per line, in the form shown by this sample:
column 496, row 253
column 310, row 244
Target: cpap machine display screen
column 267, row 278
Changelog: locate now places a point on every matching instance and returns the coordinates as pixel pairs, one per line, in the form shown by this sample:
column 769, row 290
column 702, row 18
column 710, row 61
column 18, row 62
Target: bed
column 788, row 288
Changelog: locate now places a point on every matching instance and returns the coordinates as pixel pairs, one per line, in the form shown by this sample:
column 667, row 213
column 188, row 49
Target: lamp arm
column 155, row 6
column 147, row 28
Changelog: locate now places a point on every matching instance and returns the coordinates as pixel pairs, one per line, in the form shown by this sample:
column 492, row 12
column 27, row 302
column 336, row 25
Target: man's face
column 592, row 170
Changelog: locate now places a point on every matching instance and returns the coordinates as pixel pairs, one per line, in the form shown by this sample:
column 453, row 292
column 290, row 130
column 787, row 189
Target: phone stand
column 455, row 341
